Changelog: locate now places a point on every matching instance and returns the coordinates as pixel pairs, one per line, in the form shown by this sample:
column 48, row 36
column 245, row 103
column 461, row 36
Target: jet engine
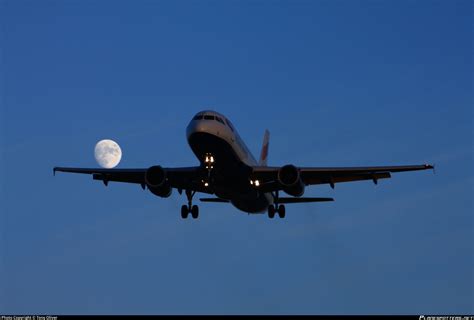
column 155, row 178
column 290, row 179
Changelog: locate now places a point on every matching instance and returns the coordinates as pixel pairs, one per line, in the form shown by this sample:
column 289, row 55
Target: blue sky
column 336, row 82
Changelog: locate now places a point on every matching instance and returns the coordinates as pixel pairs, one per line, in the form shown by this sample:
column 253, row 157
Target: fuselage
column 211, row 134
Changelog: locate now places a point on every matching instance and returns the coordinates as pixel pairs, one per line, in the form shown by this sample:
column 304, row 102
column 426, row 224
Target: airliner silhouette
column 229, row 171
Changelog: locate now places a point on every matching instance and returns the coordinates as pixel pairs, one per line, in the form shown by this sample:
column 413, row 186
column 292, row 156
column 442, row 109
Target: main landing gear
column 280, row 209
column 190, row 209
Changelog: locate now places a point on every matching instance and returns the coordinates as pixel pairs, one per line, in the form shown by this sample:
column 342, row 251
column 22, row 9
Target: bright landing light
column 209, row 159
column 256, row 182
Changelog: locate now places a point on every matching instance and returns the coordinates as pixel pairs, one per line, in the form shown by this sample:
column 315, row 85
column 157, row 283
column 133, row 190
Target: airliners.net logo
column 446, row 318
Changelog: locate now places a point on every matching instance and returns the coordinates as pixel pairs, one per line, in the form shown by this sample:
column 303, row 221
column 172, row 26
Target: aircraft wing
column 179, row 178
column 268, row 176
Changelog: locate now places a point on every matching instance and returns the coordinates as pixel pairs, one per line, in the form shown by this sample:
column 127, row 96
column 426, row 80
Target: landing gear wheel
column 187, row 209
column 271, row 211
column 184, row 211
column 195, row 211
column 281, row 211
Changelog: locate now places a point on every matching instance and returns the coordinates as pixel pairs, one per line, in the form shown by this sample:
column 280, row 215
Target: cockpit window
column 209, row 117
column 229, row 124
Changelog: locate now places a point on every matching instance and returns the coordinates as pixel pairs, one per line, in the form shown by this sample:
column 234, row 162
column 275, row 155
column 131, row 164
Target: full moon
column 107, row 153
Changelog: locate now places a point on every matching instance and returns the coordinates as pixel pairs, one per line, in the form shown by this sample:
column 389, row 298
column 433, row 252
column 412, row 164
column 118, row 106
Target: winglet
column 430, row 166
column 54, row 171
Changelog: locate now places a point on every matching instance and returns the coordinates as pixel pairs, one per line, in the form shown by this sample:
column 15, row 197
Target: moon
column 107, row 153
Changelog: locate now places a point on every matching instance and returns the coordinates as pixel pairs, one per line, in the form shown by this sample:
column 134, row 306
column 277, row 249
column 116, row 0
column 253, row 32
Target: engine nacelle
column 155, row 178
column 163, row 191
column 290, row 179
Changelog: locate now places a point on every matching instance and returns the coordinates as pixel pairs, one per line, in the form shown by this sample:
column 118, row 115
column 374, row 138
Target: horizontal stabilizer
column 280, row 200
column 303, row 200
column 214, row 200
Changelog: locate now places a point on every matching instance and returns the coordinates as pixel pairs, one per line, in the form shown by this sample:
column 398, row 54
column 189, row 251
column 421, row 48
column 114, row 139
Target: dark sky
column 338, row 83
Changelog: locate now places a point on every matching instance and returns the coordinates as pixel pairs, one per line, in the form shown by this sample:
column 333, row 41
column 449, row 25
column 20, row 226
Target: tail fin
column 264, row 153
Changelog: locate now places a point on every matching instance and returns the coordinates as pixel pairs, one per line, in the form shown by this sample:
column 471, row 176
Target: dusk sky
column 337, row 83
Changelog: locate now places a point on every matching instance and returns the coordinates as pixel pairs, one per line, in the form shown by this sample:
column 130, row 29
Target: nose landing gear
column 209, row 162
column 190, row 208
column 194, row 209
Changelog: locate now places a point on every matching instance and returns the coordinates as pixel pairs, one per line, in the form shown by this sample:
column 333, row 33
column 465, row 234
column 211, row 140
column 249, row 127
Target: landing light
column 209, row 159
column 256, row 183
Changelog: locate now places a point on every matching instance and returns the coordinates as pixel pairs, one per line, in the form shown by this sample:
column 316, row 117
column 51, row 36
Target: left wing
column 179, row 178
column 268, row 176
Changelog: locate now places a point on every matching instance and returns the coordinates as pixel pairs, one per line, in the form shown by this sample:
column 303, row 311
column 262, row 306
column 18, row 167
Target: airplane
column 229, row 171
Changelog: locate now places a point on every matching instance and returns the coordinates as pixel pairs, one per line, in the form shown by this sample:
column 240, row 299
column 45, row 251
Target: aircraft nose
column 194, row 127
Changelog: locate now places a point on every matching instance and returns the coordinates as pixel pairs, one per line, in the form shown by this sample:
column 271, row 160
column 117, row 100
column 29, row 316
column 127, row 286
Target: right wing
column 186, row 178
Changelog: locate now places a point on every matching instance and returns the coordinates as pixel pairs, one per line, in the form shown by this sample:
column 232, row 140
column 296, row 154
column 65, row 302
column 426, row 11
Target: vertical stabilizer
column 264, row 153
